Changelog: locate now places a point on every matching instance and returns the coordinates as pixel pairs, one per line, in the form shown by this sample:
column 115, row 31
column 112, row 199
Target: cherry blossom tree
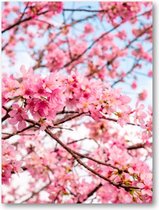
column 76, row 102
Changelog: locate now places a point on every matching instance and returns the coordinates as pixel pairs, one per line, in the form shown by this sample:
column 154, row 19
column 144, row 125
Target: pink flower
column 125, row 99
column 55, row 7
column 88, row 29
column 122, row 34
column 6, row 173
column 56, row 99
column 134, row 85
column 18, row 116
column 38, row 108
column 143, row 95
column 150, row 73
column 51, row 7
column 10, row 163
column 147, row 178
column 10, row 86
column 47, row 105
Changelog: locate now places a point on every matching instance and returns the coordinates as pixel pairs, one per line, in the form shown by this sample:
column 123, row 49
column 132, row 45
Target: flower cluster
column 35, row 8
column 44, row 97
column 116, row 11
column 10, row 162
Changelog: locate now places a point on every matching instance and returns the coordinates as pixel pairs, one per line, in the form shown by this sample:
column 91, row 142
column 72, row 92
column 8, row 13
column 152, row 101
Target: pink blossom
column 18, row 116
column 134, row 85
column 150, row 73
column 143, row 95
column 88, row 29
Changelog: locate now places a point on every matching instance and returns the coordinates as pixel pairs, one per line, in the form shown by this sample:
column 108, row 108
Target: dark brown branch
column 18, row 132
column 92, row 192
column 114, row 120
column 6, row 116
column 22, row 21
column 78, row 140
column 85, row 10
column 100, row 162
column 35, row 193
column 118, row 185
column 136, row 146
column 67, row 112
column 65, row 119
column 127, row 73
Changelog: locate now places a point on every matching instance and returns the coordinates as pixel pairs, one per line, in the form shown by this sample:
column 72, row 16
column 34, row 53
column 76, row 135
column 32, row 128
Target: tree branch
column 35, row 193
column 65, row 119
column 22, row 21
column 136, row 146
column 91, row 192
column 6, row 116
column 118, row 185
column 18, row 132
